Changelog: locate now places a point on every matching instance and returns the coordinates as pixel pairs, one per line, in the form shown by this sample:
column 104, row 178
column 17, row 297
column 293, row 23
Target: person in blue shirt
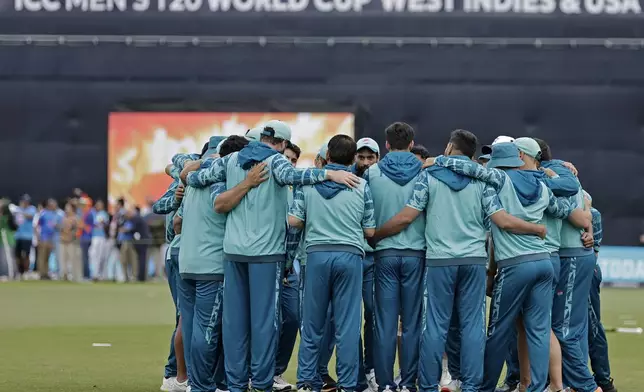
column 99, row 249
column 597, row 342
column 49, row 226
column 400, row 261
column 525, row 275
column 125, row 238
column 335, row 248
column 455, row 259
column 254, row 250
column 367, row 155
column 24, row 235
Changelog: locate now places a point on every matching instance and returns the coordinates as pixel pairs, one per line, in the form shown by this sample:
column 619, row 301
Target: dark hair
column 342, row 150
column 232, row 144
column 464, row 141
column 204, row 149
column 293, row 147
column 399, row 135
column 419, row 149
column 546, row 154
column 270, row 138
column 121, row 201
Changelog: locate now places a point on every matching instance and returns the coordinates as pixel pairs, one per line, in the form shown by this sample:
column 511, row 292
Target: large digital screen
column 140, row 145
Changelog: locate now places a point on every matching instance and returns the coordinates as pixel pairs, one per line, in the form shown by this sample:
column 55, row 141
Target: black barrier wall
column 586, row 102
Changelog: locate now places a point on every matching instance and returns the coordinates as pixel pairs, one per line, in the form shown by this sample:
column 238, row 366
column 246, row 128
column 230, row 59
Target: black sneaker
column 305, row 388
column 608, row 387
column 329, row 384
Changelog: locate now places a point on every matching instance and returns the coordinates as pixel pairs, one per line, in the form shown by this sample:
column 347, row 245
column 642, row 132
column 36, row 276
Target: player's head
column 320, row 159
column 505, row 156
column 546, row 154
column 420, row 151
column 232, row 144
column 462, row 142
column 341, row 150
column 276, row 134
column 292, row 153
column 529, row 152
column 399, row 136
column 100, row 206
column 25, row 201
column 368, row 153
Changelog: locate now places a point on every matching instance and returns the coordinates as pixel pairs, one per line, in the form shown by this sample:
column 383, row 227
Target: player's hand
column 257, row 175
column 587, row 239
column 542, row 232
column 549, row 172
column 429, row 162
column 178, row 194
column 571, row 167
column 372, row 242
column 343, row 177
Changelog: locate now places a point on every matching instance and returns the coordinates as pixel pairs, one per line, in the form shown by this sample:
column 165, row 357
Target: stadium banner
column 622, row 265
column 326, row 7
column 140, row 145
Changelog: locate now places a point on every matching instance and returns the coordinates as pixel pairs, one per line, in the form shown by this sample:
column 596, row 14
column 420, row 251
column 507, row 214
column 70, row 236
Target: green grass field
column 47, row 330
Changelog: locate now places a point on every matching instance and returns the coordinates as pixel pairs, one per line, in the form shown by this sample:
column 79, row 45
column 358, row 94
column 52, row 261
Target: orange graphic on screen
column 140, row 145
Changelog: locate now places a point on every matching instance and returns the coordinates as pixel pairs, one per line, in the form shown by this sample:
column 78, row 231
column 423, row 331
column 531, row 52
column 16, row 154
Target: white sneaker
column 452, row 386
column 371, row 380
column 189, row 389
column 172, row 385
column 446, row 378
column 281, row 385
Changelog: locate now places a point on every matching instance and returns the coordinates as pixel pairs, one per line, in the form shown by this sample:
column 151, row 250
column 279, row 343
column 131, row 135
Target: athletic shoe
column 329, row 384
column 189, row 389
column 446, row 378
column 506, row 388
column 452, row 386
column 172, row 385
column 305, row 388
column 609, row 387
column 371, row 380
column 281, row 385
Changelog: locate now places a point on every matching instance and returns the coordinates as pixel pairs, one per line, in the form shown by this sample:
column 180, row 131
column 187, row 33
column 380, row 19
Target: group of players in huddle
column 380, row 255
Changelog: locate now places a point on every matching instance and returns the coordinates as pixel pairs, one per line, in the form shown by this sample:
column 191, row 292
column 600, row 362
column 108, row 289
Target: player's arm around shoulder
column 368, row 217
column 297, row 210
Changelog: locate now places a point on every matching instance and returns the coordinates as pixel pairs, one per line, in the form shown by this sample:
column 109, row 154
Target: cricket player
column 455, row 260
column 335, row 248
column 367, row 154
column 400, row 261
column 524, row 279
column 597, row 342
column 201, row 268
column 290, row 303
column 570, row 307
column 176, row 376
column 254, row 251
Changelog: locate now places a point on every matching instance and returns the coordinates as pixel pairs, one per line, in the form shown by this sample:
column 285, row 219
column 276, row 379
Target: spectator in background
column 24, row 218
column 86, row 229
column 125, row 240
column 156, row 226
column 99, row 250
column 69, row 249
column 142, row 239
column 39, row 210
column 7, row 229
column 48, row 226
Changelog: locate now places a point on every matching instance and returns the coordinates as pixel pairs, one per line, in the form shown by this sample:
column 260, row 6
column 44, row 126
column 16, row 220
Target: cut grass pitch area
column 47, row 330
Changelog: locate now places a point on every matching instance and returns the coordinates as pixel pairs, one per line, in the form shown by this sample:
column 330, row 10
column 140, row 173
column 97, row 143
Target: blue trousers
column 172, row 272
column 524, row 288
column 368, row 267
column 290, row 322
column 597, row 342
column 251, row 323
column 200, row 304
column 399, row 285
column 570, row 320
column 446, row 288
column 512, row 375
column 331, row 278
column 453, row 346
column 327, row 345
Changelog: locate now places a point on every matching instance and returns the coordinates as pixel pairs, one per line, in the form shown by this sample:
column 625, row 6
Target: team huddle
column 382, row 257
